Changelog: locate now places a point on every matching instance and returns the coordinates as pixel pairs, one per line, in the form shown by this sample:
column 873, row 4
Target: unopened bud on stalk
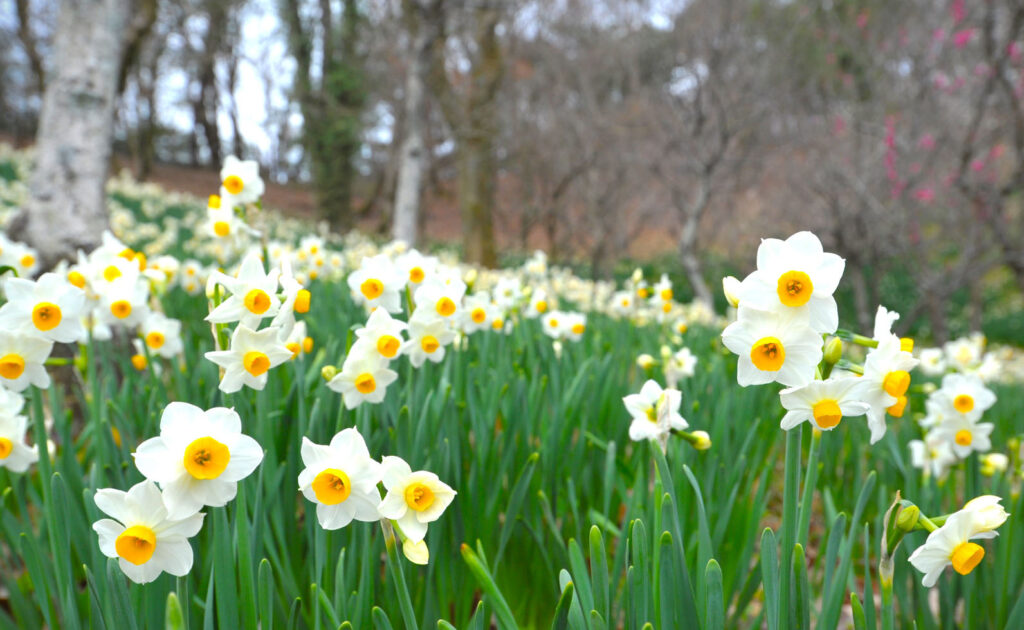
column 833, row 350
column 328, row 372
column 665, row 352
column 645, row 361
column 907, row 518
column 993, row 463
column 928, row 388
column 416, row 552
column 703, row 441
column 731, row 289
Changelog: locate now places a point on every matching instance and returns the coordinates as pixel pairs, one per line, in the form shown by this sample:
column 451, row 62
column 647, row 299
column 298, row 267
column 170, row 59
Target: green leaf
column 715, row 616
column 770, row 578
column 801, row 591
column 561, row 620
column 486, row 582
column 173, row 618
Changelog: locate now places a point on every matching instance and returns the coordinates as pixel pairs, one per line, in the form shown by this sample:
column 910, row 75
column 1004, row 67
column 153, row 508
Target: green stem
column 789, row 517
column 395, row 566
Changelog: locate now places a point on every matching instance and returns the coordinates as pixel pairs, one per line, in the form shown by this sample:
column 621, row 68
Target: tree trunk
column 413, row 158
column 692, row 214
column 66, row 209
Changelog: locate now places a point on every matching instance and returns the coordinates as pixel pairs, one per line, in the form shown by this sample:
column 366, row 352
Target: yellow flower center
column 577, row 329
column 625, row 303
column 206, row 458
column 429, row 343
column 542, row 306
column 302, row 299
column 642, row 293
column 553, row 323
column 896, row 411
column 28, row 260
column 666, row 294
column 121, row 309
column 155, row 340
column 111, row 273
column 136, row 544
column 332, row 486
column 387, row 346
column 365, row 383
column 416, row 275
column 233, row 184
column 795, row 288
column 255, row 362
column 896, row 383
column 445, row 307
column 827, row 413
column 139, row 362
column 963, row 437
column 419, row 496
column 294, row 347
column 371, row 288
column 307, row 345
column 966, row 556
column 222, row 228
column 257, row 301
column 497, row 324
column 768, row 354
column 666, row 307
column 6, row 446
column 214, row 202
column 11, row 366
column 963, row 403
column 907, row 344
column 478, row 315
column 46, row 316
column 77, row 279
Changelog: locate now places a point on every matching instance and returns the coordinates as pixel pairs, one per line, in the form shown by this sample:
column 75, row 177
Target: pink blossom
column 997, row 151
column 862, row 19
column 982, row 69
column 1013, row 49
column 958, row 11
column 924, row 195
column 962, row 38
column 977, row 165
column 927, row 142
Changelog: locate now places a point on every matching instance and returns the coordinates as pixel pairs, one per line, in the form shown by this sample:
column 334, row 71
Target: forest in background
column 597, row 130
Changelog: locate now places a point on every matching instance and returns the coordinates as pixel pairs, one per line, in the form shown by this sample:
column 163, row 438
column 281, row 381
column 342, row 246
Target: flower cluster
column 952, row 424
column 785, row 310
column 341, row 479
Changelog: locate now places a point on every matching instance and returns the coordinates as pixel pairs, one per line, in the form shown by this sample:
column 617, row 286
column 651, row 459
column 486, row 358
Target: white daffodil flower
column 21, row 361
column 50, row 307
column 250, row 356
column 655, row 412
column 772, row 348
column 253, row 294
column 198, row 458
column 140, row 534
column 796, row 278
column 341, row 479
column 414, row 499
column 384, row 333
column 823, row 403
column 364, row 377
column 377, row 282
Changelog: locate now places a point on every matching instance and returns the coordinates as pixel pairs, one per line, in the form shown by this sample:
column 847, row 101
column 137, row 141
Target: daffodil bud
column 328, row 372
column 833, row 350
column 416, row 552
column 731, row 289
column 928, row 388
column 645, row 361
column 470, row 277
column 557, row 347
column 638, row 275
column 907, row 518
column 992, row 463
column 665, row 352
column 703, row 441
